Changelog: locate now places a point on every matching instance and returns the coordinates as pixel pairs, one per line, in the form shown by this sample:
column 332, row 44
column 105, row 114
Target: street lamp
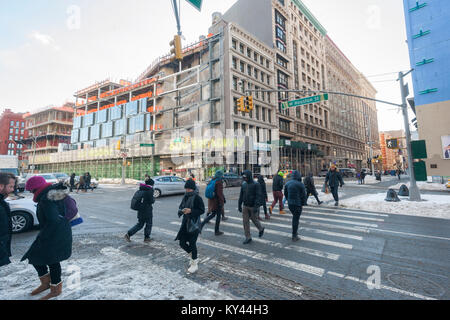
column 367, row 123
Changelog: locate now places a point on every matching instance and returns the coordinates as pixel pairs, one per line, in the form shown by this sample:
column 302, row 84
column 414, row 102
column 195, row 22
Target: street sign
column 196, row 3
column 392, row 144
column 147, row 145
column 301, row 102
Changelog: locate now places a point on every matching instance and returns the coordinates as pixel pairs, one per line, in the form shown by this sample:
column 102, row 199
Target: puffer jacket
column 146, row 209
column 295, row 191
column 53, row 244
column 5, row 232
column 251, row 194
column 278, row 183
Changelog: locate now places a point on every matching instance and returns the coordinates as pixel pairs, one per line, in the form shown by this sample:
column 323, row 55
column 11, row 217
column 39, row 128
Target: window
column 11, row 123
column 234, row 44
column 235, row 81
column 116, row 113
column 23, row 124
column 249, row 70
column 241, row 48
column 256, row 74
column 102, row 116
column 257, row 112
column 284, row 125
column 119, row 127
column 282, row 62
column 132, row 108
column 84, row 134
column 249, row 53
column 281, row 46
column 95, row 132
column 11, row 130
column 17, row 123
column 242, row 66
column 281, row 34
column 279, row 19
column 234, row 63
column 282, row 79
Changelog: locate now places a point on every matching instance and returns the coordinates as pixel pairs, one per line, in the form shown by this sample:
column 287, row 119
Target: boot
column 270, row 210
column 282, row 212
column 193, row 267
column 55, row 290
column 45, row 285
column 267, row 217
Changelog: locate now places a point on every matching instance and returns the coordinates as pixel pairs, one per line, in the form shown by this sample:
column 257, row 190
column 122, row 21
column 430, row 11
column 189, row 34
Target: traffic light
column 176, row 50
column 250, row 103
column 241, row 104
column 119, row 143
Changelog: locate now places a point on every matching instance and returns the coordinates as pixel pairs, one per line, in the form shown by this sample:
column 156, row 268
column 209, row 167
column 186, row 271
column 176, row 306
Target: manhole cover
column 416, row 284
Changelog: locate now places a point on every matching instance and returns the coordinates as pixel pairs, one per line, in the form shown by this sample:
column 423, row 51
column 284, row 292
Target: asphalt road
column 342, row 254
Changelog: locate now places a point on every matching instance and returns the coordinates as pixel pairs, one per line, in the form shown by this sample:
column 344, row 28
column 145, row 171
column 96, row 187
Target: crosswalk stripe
column 335, row 234
column 257, row 256
column 342, row 215
column 340, row 209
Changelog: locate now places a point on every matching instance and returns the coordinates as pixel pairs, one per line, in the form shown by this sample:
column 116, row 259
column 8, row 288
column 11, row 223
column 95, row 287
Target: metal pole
column 371, row 143
column 177, row 16
column 414, row 194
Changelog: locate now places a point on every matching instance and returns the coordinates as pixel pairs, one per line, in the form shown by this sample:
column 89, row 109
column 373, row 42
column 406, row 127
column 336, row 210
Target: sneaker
column 336, row 203
column 247, row 241
column 127, row 238
column 261, row 233
column 193, row 267
column 219, row 233
column 295, row 238
column 224, row 218
column 320, row 202
column 147, row 240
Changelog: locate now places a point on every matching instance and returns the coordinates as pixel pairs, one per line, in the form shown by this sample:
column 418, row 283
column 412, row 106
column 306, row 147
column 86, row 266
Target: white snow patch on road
column 111, row 275
column 436, row 206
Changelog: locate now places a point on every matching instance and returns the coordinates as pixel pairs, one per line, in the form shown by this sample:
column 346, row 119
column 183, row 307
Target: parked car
column 49, row 177
column 168, row 185
column 94, row 182
column 230, row 180
column 23, row 214
column 323, row 173
column 348, row 172
column 62, row 177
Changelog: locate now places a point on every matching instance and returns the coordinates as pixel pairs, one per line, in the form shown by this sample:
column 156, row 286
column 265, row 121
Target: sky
column 51, row 49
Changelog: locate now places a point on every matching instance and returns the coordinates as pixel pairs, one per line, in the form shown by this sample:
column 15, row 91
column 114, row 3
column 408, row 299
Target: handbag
column 193, row 225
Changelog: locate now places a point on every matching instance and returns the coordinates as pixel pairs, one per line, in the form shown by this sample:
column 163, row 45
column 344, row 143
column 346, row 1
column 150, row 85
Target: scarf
column 188, row 200
column 39, row 191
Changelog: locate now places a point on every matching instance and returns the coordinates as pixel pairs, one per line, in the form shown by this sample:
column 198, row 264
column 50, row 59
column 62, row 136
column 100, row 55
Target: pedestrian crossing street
column 331, row 239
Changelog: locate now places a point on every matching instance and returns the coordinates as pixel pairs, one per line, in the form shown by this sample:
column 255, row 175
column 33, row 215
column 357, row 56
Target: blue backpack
column 210, row 189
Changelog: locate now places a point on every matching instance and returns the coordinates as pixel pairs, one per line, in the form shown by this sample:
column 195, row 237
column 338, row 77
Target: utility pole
column 414, row 193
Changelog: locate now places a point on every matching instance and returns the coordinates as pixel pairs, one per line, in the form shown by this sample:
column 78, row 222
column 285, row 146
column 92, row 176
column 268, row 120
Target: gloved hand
column 240, row 209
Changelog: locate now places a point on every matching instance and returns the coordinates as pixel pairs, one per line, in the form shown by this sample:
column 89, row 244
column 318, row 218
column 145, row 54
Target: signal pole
column 414, row 193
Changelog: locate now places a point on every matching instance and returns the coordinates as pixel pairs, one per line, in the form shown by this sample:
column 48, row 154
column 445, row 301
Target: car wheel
column 21, row 222
column 225, row 184
column 157, row 193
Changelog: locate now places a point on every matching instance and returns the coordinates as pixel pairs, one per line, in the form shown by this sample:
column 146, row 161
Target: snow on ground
column 436, row 206
column 424, row 186
column 111, row 275
column 371, row 180
column 118, row 181
column 311, row 200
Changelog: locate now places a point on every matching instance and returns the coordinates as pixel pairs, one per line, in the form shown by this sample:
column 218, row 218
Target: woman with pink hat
column 53, row 244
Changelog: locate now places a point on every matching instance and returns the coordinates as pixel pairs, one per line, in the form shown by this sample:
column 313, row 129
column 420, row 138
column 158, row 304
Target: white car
column 49, row 178
column 23, row 214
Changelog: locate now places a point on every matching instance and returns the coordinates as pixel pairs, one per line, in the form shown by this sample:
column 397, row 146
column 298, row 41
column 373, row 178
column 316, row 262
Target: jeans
column 278, row 197
column 264, row 207
column 55, row 272
column 189, row 244
column 148, row 222
column 334, row 192
column 296, row 213
column 218, row 214
column 247, row 214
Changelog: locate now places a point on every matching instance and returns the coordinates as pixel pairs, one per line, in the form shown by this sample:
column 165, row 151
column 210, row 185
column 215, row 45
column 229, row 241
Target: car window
column 176, row 179
column 166, row 179
column 47, row 177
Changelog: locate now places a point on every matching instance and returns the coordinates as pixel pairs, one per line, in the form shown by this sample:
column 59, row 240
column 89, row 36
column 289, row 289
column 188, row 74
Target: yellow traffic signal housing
column 119, row 145
column 241, row 104
column 250, row 103
column 176, row 50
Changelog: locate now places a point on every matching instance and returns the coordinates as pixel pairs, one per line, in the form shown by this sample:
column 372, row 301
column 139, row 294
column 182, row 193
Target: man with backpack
column 251, row 197
column 142, row 202
column 216, row 200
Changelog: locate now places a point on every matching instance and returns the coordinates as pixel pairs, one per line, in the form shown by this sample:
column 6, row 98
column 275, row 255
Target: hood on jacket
column 296, row 175
column 218, row 175
column 145, row 187
column 57, row 192
column 310, row 175
column 249, row 175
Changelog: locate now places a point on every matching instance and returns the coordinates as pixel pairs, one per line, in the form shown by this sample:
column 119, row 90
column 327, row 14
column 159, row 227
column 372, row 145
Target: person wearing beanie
column 53, row 243
column 216, row 204
column 145, row 213
column 191, row 208
column 334, row 179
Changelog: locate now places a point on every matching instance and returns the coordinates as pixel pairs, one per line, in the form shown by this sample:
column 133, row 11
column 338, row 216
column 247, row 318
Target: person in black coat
column 145, row 213
column 334, row 179
column 265, row 198
column 311, row 189
column 191, row 208
column 295, row 193
column 72, row 182
column 7, row 181
column 53, row 243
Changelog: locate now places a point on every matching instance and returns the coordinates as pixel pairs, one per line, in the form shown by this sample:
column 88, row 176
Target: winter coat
column 309, row 184
column 262, row 183
column 278, row 183
column 5, row 232
column 251, row 195
column 72, row 180
column 197, row 208
column 88, row 179
column 146, row 209
column 53, row 244
column 334, row 179
column 295, row 191
column 219, row 199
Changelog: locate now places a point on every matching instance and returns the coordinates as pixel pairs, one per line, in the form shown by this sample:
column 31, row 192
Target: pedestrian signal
column 241, row 104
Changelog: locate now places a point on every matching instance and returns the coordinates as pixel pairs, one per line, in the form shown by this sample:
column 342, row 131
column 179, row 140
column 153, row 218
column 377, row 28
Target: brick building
column 12, row 132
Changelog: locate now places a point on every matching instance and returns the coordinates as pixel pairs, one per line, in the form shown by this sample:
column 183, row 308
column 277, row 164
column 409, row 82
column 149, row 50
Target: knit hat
column 35, row 183
column 219, row 174
column 190, row 184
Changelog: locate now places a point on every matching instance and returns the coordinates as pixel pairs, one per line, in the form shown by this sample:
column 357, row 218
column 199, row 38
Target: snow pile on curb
column 111, row 275
column 436, row 206
column 424, row 186
column 118, row 181
column 372, row 180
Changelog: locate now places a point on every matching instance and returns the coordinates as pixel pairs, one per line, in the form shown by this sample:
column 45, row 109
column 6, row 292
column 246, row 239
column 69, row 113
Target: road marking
column 342, row 215
column 408, row 234
column 335, row 234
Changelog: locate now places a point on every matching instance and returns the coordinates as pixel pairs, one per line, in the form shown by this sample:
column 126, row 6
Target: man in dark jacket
column 7, row 181
column 264, row 199
column 295, row 193
column 216, row 205
column 53, row 243
column 311, row 189
column 277, row 188
column 72, row 182
column 334, row 179
column 191, row 208
column 145, row 212
column 250, row 197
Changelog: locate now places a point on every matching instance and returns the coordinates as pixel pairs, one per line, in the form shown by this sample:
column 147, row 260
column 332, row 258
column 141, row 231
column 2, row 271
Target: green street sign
column 302, row 102
column 147, row 145
column 196, row 3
